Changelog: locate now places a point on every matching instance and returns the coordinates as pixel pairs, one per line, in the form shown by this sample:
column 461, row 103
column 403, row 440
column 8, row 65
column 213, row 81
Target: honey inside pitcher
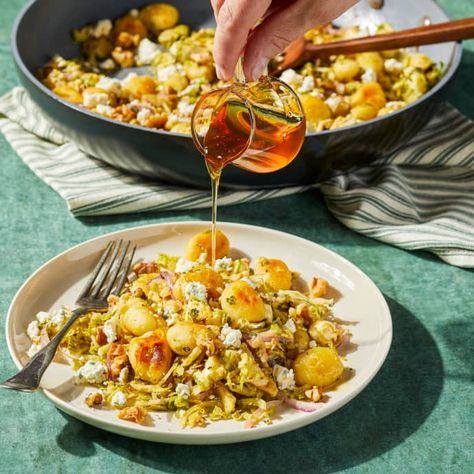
column 276, row 138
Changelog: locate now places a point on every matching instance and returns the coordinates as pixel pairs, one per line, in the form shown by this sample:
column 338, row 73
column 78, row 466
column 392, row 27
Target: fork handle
column 33, row 371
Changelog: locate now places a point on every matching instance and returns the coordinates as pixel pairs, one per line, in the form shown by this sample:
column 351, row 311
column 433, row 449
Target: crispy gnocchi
column 335, row 92
column 232, row 340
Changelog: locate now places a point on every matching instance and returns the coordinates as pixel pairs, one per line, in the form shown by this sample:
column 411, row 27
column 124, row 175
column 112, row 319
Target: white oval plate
column 58, row 282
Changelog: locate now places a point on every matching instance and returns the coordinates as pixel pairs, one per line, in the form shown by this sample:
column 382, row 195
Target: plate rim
column 187, row 437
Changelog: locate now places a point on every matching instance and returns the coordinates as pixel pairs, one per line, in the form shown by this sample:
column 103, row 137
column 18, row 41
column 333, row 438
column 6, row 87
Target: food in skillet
column 335, row 92
column 231, row 341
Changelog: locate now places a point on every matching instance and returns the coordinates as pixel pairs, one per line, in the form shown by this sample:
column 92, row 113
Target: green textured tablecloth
column 416, row 416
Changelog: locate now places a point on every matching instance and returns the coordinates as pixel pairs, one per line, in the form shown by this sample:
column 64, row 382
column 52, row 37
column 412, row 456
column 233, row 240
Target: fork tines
column 109, row 275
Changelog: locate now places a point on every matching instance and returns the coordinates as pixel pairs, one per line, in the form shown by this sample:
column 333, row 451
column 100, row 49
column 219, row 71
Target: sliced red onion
column 168, row 277
column 157, row 279
column 299, row 405
column 269, row 336
column 345, row 343
column 274, row 403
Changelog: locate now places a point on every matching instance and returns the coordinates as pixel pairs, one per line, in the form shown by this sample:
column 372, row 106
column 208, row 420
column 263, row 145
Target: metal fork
column 107, row 279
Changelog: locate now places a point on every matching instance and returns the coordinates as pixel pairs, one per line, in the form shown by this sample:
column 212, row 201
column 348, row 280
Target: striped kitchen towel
column 419, row 197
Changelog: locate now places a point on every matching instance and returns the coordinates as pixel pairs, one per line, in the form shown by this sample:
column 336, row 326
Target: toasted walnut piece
column 123, row 58
column 157, row 121
column 314, row 394
column 318, row 287
column 94, row 399
column 139, row 293
column 127, row 40
column 134, row 414
column 101, row 337
column 123, row 113
column 116, row 359
column 302, row 310
column 142, row 267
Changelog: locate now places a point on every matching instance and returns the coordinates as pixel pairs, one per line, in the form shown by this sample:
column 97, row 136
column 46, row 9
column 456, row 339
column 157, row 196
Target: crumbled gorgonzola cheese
column 91, row 372
column 123, row 375
column 333, row 102
column 185, row 108
column 93, row 99
column 392, row 65
column 163, row 73
column 32, row 330
column 147, row 51
column 119, row 399
column 143, row 116
column 291, row 77
column 43, row 317
column 223, row 264
column 284, row 377
column 230, row 337
column 106, row 110
column 195, row 291
column 369, row 76
column 59, row 316
column 183, row 265
column 307, row 85
column 110, row 329
column 110, row 84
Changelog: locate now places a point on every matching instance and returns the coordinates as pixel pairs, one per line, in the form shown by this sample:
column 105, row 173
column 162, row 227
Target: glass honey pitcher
column 259, row 126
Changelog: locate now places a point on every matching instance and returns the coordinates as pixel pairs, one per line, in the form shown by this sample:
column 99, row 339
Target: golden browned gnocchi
column 137, row 318
column 318, row 366
column 202, row 244
column 184, row 336
column 207, row 276
column 274, row 273
column 139, row 86
column 242, row 303
column 159, row 16
column 150, row 356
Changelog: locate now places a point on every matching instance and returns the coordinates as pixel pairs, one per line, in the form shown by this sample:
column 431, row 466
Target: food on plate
column 236, row 340
column 335, row 92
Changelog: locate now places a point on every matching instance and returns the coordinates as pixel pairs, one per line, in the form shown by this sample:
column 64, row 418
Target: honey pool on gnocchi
column 231, row 341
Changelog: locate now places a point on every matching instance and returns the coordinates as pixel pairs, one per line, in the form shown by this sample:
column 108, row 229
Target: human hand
column 282, row 22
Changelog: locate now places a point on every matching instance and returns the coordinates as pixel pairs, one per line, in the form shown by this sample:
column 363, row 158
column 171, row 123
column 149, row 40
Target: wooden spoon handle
column 438, row 33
